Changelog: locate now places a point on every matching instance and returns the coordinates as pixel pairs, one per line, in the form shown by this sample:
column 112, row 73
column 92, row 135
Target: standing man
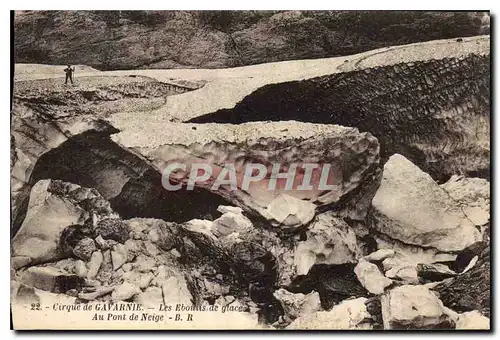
column 69, row 74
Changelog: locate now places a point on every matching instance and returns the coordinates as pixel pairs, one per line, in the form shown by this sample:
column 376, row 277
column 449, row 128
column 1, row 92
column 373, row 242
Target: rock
column 101, row 243
column 151, row 249
column 71, row 236
column 469, row 291
column 112, row 229
column 127, row 267
column 230, row 222
column 94, row 264
column 215, row 289
column 151, row 298
column 472, row 320
column 80, row 269
column 200, row 226
column 50, row 279
column 406, row 274
column 133, row 249
column 144, row 263
column 19, row 261
column 290, row 211
column 138, row 225
column 473, row 194
column 84, row 249
column 145, row 280
column 434, row 272
column 47, row 215
column 409, row 206
column 100, row 291
column 413, row 307
column 297, row 305
column 370, row 277
column 329, row 241
column 229, row 209
column 350, row 314
column 412, row 255
column 477, row 215
column 280, row 206
column 125, row 291
column 380, row 255
column 118, row 256
column 175, row 291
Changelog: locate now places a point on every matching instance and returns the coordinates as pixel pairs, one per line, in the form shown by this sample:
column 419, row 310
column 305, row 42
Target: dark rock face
column 434, row 98
column 471, row 290
column 180, row 39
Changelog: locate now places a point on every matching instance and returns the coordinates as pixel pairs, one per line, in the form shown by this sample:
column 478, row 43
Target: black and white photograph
column 250, row 170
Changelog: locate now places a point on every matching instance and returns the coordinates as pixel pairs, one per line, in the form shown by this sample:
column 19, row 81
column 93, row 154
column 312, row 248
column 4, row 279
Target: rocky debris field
column 398, row 241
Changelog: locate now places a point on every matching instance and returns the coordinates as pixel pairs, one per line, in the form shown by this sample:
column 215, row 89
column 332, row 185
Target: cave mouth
column 132, row 186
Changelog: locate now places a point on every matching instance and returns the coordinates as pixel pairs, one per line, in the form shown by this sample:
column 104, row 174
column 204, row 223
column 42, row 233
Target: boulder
column 47, row 215
column 473, row 194
column 175, row 291
column 410, row 207
column 84, row 248
column 144, row 263
column 380, row 255
column 370, row 277
column 125, row 291
column 329, row 241
column 472, row 320
column 80, row 269
column 413, row 307
column 291, row 212
column 112, row 229
column 297, row 305
column 19, row 261
column 406, row 274
column 230, row 222
column 94, row 264
column 412, row 254
column 118, row 256
column 350, row 314
column 227, row 208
